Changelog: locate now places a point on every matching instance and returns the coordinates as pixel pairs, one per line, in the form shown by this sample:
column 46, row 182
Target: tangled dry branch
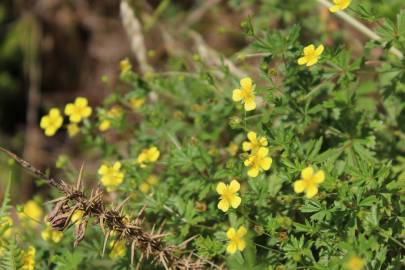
column 150, row 244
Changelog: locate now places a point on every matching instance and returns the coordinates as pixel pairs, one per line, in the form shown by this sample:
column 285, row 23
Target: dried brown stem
column 150, row 244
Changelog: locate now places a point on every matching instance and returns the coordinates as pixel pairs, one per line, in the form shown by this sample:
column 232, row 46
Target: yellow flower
column 48, row 234
column 77, row 216
column 229, row 195
column 254, row 143
column 136, row 103
column 236, row 241
column 31, row 214
column 114, row 112
column 6, row 225
column 51, row 122
column 232, row 149
column 246, row 94
column 311, row 55
column 111, row 176
column 104, row 125
column 144, row 187
column 78, row 110
column 258, row 161
column 339, row 5
column 125, row 66
column 118, row 249
column 28, row 259
column 152, row 180
column 355, row 263
column 73, row 129
column 148, row 155
column 309, row 182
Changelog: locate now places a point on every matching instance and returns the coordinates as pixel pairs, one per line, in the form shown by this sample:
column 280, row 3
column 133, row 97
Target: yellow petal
column 50, row 131
column 319, row 50
column 44, row 122
column 265, row 164
column 241, row 231
column 223, row 205
column 302, row 60
column 246, row 83
column 117, row 166
column 309, row 49
column 234, row 186
column 307, row 173
column 221, row 188
column 231, row 233
column 237, row 95
column 299, row 186
column 81, row 102
column 69, row 108
column 252, row 136
column 235, row 201
column 246, row 146
column 87, row 112
column 241, row 245
column 334, row 9
column 263, row 141
column 103, row 169
column 250, row 104
column 75, row 118
column 345, row 4
column 231, row 247
column 312, row 62
column 54, row 112
column 253, row 172
column 263, row 152
column 319, row 177
column 248, row 161
column 311, row 191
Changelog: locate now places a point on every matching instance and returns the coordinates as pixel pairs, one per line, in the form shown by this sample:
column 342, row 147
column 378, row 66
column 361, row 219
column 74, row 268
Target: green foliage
column 341, row 116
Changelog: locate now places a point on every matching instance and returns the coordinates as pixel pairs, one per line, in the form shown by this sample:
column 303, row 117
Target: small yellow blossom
column 246, row 94
column 77, row 216
column 254, row 142
column 78, row 110
column 311, row 55
column 31, row 214
column 258, row 161
column 28, row 259
column 339, row 5
column 232, row 149
column 236, row 241
column 148, row 155
column 136, row 103
column 104, row 125
column 111, row 176
column 48, row 234
column 355, row 263
column 144, row 187
column 152, row 180
column 6, row 225
column 73, row 129
column 229, row 196
column 309, row 182
column 51, row 122
column 114, row 112
column 125, row 66
column 118, row 249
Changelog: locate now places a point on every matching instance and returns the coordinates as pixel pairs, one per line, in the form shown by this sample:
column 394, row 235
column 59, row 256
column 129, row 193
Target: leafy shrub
column 298, row 168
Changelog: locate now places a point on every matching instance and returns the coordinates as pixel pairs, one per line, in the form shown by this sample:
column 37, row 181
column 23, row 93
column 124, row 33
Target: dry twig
column 150, row 244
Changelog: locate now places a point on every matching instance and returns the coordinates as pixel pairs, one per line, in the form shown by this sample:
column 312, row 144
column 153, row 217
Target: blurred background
column 52, row 51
